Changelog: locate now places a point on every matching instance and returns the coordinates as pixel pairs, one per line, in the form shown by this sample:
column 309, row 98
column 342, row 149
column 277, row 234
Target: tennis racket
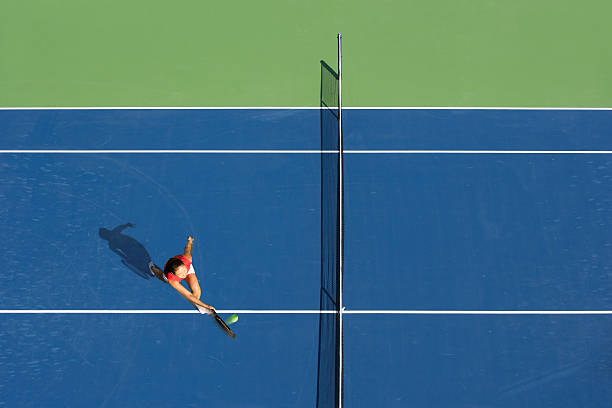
column 223, row 325
column 219, row 320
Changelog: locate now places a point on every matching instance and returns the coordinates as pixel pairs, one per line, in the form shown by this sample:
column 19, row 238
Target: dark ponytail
column 172, row 265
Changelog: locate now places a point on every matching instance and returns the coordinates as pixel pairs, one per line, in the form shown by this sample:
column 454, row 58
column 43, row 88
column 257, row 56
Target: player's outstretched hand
column 190, row 238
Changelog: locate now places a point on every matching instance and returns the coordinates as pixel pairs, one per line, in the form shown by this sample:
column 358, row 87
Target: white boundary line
column 313, row 312
column 135, row 151
column 481, row 312
column 478, row 151
column 162, row 108
column 477, row 108
column 155, row 311
column 221, row 151
column 303, row 108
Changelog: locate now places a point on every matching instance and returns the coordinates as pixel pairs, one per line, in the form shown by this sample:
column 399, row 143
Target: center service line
column 237, row 151
column 482, row 312
column 165, row 151
column 315, row 312
column 155, row 311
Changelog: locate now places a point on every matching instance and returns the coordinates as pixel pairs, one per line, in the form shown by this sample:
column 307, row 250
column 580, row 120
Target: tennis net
column 329, row 379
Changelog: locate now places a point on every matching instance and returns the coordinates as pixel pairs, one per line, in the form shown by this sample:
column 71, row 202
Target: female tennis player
column 180, row 268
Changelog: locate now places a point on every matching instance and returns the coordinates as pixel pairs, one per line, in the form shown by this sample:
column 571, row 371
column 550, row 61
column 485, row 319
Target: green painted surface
column 266, row 53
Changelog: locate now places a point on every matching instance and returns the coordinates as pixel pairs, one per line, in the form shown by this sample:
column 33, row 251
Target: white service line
column 228, row 151
column 155, row 311
column 313, row 312
column 482, row 312
column 304, row 108
column 505, row 108
column 162, row 108
column 151, row 151
column 478, row 151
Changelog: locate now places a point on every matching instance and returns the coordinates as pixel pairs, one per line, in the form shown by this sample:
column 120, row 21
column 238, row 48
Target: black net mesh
column 327, row 379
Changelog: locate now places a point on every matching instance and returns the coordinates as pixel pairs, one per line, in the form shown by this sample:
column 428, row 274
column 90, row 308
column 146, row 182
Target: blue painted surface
column 257, row 231
column 157, row 361
column 478, row 232
column 477, row 129
column 478, row 361
column 427, row 231
column 160, row 129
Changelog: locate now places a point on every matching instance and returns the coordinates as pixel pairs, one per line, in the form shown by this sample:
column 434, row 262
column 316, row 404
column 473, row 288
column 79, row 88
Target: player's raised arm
column 187, row 252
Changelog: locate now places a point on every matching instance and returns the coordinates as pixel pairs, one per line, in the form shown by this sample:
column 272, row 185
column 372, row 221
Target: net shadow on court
column 328, row 358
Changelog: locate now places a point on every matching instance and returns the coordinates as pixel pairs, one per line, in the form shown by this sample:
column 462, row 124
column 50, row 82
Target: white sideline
column 237, row 151
column 314, row 312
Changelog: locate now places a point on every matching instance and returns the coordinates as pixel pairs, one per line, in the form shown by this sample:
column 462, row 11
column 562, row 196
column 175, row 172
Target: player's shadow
column 132, row 253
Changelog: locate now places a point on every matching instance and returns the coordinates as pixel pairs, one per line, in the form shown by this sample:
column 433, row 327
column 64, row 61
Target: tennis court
column 462, row 233
column 449, row 256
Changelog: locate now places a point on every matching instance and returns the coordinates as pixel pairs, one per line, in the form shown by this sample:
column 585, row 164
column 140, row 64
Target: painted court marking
column 303, row 108
column 312, row 312
column 356, row 312
column 151, row 151
column 32, row 151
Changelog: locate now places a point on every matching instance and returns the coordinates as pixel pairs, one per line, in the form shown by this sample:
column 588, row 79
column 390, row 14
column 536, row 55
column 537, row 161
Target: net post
column 340, row 227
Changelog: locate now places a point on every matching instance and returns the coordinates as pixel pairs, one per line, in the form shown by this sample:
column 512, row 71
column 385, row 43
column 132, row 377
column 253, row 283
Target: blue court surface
column 478, row 257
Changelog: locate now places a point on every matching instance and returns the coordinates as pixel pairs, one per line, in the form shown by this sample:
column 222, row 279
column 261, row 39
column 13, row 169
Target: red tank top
column 185, row 261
